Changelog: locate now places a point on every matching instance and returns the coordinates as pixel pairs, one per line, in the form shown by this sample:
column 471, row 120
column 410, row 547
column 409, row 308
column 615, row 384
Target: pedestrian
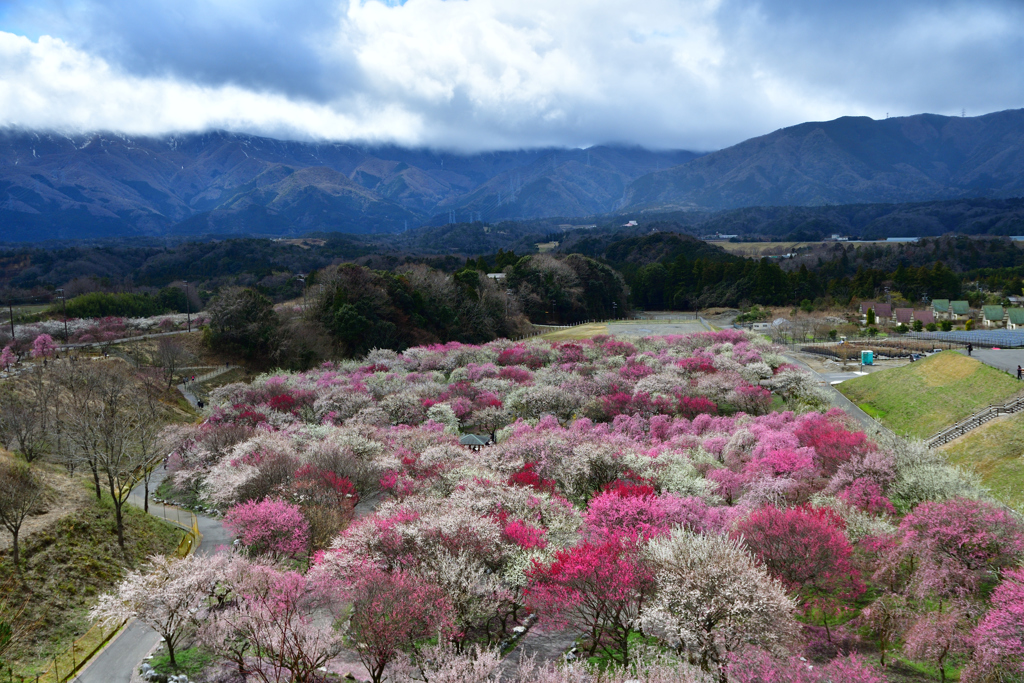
column 970, row 347
column 200, row 401
column 1020, row 373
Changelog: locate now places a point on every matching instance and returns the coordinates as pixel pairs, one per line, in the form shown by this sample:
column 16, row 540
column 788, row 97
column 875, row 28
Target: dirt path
column 64, row 496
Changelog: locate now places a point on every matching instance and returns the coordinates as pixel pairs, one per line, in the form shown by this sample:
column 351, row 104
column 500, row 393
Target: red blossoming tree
column 595, row 588
column 807, row 550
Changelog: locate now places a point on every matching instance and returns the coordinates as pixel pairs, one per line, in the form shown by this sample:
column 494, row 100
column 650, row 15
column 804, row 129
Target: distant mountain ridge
column 850, row 160
column 55, row 186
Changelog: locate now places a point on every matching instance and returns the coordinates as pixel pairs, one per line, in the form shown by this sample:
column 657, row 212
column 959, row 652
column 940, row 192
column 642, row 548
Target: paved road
column 542, row 646
column 869, row 423
column 117, row 662
column 1006, row 360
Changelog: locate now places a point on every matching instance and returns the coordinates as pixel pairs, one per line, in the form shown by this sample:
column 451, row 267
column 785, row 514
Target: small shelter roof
column 940, row 305
column 905, row 315
column 883, row 310
column 473, row 440
column 1016, row 315
column 865, row 305
column 926, row 317
column 960, row 307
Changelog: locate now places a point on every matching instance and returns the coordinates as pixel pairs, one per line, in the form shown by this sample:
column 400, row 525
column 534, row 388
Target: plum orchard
column 639, row 489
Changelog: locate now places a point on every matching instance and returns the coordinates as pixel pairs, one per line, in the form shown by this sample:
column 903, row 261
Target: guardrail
column 67, row 664
column 974, row 421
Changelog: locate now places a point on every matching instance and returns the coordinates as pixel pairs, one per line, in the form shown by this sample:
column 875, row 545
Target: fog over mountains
column 106, row 185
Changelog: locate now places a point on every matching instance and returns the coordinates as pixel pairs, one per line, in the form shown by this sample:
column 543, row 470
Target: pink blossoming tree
column 269, row 527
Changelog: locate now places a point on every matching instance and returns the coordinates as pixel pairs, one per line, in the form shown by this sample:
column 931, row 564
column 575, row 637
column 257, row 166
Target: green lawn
column 921, row 398
column 995, row 452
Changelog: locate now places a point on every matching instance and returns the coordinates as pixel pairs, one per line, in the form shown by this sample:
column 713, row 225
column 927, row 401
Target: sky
column 476, row 75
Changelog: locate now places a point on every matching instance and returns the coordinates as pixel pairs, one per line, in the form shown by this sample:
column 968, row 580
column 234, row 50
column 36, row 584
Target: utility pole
column 64, row 306
column 302, row 278
column 188, row 308
column 10, row 309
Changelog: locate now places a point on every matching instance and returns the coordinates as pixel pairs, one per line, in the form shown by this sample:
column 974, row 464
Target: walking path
column 117, row 662
column 186, row 387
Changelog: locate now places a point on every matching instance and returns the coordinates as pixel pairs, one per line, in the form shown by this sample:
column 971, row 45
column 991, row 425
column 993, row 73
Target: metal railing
column 974, row 421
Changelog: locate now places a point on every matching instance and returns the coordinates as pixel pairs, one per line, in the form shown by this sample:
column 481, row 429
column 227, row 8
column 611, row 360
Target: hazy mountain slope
column 66, row 186
column 851, row 160
column 566, row 183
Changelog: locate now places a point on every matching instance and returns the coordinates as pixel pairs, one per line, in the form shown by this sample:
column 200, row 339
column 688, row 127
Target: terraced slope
column 995, row 451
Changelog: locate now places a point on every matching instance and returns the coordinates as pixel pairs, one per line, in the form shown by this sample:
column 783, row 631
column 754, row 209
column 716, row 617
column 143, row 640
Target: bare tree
column 148, row 437
column 23, row 415
column 78, row 384
column 112, row 429
column 171, row 356
column 20, row 489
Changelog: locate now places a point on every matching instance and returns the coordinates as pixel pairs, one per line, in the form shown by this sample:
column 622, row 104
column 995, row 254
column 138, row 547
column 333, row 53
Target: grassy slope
column 921, row 398
column 994, row 451
column 68, row 565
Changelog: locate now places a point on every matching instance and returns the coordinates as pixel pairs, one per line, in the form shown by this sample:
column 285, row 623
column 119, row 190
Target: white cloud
column 478, row 74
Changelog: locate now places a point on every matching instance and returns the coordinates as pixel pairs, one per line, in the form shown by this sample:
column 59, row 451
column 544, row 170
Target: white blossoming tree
column 165, row 597
column 711, row 597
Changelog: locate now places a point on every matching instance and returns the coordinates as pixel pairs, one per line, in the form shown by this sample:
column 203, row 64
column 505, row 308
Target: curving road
column 122, row 655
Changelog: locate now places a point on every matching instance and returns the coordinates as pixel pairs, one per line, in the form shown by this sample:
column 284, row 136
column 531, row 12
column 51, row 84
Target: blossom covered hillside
column 682, row 504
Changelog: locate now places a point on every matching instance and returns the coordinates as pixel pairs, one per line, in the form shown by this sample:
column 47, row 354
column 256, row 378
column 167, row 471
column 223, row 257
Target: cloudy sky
column 499, row 74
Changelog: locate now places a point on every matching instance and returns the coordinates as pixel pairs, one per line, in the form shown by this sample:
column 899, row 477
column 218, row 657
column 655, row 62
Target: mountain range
column 851, row 160
column 55, row 186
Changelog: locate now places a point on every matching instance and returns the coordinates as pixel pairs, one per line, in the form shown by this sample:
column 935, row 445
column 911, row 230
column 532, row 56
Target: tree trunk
column 170, row 652
column 96, row 480
column 118, row 504
column 824, row 620
column 145, row 500
column 120, row 525
column 15, row 551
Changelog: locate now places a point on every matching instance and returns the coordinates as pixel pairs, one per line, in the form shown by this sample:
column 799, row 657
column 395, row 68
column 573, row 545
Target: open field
column 764, row 248
column 639, row 328
column 921, row 398
column 995, row 451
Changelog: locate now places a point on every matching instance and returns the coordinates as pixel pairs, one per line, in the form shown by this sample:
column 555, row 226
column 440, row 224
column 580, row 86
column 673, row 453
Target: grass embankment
column 921, row 398
column 994, row 450
column 574, row 333
column 67, row 566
